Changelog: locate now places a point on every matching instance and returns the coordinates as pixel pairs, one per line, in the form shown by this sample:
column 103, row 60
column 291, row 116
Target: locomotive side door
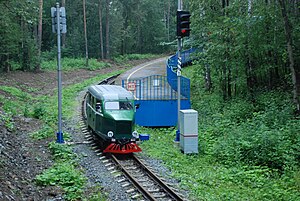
column 98, row 115
column 91, row 112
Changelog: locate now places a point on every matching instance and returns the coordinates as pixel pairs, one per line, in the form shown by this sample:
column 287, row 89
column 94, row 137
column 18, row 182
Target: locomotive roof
column 110, row 92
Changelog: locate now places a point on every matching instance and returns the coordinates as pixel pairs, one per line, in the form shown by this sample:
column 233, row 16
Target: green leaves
column 65, row 175
column 7, row 120
column 72, row 64
column 61, row 151
column 245, row 51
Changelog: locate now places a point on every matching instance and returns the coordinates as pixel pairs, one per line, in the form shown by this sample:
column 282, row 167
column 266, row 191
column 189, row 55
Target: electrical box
column 188, row 121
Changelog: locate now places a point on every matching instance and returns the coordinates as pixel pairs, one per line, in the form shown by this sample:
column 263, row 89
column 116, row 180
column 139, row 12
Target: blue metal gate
column 157, row 100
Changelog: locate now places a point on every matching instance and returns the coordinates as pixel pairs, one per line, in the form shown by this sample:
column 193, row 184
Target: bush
column 43, row 133
column 66, row 176
column 129, row 57
column 268, row 138
column 72, row 64
column 61, row 151
column 38, row 111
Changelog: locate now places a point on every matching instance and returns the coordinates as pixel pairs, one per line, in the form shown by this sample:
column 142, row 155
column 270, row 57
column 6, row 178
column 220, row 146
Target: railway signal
column 183, row 23
column 58, row 15
column 61, row 20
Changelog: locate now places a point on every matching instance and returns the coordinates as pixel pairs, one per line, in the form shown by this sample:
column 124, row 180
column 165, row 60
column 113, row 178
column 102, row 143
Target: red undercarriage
column 122, row 149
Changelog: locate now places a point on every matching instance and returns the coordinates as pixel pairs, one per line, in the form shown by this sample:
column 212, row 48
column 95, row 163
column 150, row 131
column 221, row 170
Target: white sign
column 131, row 86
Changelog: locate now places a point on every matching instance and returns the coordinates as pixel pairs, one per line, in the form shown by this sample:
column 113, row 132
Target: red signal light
column 183, row 23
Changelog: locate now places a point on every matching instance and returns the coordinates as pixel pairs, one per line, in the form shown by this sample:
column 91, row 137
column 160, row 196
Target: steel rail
column 150, row 174
column 164, row 186
column 133, row 180
column 110, row 80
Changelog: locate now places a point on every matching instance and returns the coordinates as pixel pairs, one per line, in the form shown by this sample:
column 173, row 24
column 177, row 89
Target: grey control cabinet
column 188, row 120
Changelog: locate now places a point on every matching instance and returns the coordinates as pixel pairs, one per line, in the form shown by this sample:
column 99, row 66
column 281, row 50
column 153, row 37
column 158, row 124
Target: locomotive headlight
column 135, row 134
column 110, row 133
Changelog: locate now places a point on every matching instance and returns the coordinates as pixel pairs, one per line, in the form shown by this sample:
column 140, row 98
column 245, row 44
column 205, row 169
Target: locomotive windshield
column 115, row 105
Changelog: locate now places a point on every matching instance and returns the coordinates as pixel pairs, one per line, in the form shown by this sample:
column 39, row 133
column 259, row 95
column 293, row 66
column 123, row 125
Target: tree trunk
column 139, row 35
column 289, row 43
column 168, row 19
column 85, row 36
column 40, row 27
column 226, row 72
column 101, row 31
column 207, row 78
column 107, row 29
column 4, row 60
column 249, row 65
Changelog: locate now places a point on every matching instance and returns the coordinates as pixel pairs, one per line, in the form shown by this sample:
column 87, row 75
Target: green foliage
column 16, row 92
column 45, row 132
column 23, row 103
column 17, row 101
column 39, row 110
column 97, row 196
column 245, row 50
column 266, row 134
column 73, row 64
column 260, row 133
column 129, row 57
column 61, row 151
column 7, row 120
column 94, row 64
column 11, row 106
column 66, row 52
column 207, row 179
column 65, row 175
column 247, row 150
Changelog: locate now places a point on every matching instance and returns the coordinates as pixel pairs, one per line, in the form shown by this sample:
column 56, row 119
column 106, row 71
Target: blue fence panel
column 172, row 74
column 155, row 87
column 184, row 83
column 158, row 113
column 157, row 95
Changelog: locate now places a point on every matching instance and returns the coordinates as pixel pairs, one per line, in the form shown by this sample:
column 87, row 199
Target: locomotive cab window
column 99, row 106
column 125, row 105
column 115, row 105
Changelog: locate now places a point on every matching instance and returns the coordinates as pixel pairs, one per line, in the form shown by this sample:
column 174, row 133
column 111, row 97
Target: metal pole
column 60, row 138
column 178, row 78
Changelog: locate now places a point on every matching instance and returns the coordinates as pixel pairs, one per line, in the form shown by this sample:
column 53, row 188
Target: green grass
column 67, row 176
column 129, row 57
column 18, row 93
column 246, row 151
column 208, row 179
column 68, row 64
column 7, row 120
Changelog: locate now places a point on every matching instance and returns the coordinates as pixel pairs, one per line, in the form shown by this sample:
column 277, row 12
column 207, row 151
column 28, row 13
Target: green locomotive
column 110, row 115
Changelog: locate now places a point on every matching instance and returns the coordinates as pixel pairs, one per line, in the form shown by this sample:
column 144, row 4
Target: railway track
column 138, row 180
column 148, row 184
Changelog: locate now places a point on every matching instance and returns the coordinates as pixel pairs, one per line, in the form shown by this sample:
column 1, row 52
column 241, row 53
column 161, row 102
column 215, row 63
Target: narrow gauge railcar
column 110, row 115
